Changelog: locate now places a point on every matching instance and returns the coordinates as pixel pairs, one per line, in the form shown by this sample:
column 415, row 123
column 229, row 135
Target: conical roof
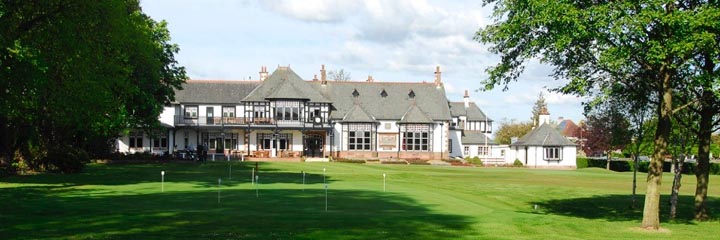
column 544, row 135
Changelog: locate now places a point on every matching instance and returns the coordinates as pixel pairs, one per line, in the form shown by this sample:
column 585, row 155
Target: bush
column 474, row 160
column 581, row 162
column 349, row 160
column 517, row 163
column 715, row 168
column 66, row 159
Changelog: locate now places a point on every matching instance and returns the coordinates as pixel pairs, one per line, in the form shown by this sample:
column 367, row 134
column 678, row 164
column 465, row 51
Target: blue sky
column 391, row 40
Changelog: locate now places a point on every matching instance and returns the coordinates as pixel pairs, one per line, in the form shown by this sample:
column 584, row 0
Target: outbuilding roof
column 476, row 138
column 544, row 135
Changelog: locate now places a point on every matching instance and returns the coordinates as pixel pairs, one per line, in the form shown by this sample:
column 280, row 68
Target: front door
column 313, row 145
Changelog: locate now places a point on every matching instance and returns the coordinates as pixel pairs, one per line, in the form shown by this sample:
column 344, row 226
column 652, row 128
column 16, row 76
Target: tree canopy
column 644, row 46
column 76, row 73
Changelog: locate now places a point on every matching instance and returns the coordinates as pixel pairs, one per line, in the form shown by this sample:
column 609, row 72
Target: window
column 359, row 137
column 160, row 142
column 287, row 111
column 449, row 145
column 552, row 153
column 282, row 141
column 466, row 151
column 191, row 111
column 383, row 94
column 483, row 150
column 228, row 112
column 416, row 137
column 136, row 139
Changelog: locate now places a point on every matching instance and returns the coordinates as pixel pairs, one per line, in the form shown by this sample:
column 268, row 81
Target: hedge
column 627, row 166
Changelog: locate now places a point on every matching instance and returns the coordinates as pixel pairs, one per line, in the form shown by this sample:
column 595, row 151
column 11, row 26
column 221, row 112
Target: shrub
column 66, row 159
column 715, row 168
column 349, row 160
column 517, row 163
column 581, row 162
column 475, row 161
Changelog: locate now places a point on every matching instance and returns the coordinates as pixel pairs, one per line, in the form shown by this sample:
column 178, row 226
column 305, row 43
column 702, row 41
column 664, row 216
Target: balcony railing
column 181, row 120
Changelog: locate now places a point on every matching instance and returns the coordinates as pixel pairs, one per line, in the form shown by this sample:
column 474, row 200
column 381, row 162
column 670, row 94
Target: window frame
column 227, row 114
column 189, row 114
column 553, row 153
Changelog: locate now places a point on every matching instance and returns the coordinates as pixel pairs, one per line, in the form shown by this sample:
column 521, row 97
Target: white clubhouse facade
column 284, row 116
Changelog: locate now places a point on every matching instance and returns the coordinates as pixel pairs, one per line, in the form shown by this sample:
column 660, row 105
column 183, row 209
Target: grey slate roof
column 475, row 138
column 545, row 135
column 393, row 107
column 415, row 115
column 358, row 114
column 473, row 112
column 211, row 91
column 285, row 83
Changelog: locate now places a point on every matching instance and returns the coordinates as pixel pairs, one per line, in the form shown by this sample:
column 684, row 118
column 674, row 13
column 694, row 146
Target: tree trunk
column 678, row 166
column 702, row 171
column 635, row 170
column 651, row 211
column 607, row 165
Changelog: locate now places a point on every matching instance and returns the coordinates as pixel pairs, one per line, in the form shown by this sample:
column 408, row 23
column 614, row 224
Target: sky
column 399, row 41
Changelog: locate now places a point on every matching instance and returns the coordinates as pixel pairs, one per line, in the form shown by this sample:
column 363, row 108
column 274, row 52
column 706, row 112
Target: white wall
column 457, row 150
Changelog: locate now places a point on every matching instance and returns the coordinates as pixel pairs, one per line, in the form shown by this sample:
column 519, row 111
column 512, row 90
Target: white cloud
column 313, row 10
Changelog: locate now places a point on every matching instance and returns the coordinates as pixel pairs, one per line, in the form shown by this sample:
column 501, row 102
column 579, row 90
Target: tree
column 339, row 75
column 76, row 72
column 508, row 130
column 607, row 131
column 540, row 107
column 644, row 46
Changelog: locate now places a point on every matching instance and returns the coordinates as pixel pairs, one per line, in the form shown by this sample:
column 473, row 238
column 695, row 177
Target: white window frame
column 483, row 150
column 553, row 153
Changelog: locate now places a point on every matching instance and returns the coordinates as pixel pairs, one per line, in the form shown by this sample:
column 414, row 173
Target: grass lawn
column 421, row 202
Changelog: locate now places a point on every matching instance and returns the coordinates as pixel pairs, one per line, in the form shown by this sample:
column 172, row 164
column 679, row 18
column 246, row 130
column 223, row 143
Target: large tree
column 78, row 72
column 508, row 130
column 607, row 131
column 642, row 45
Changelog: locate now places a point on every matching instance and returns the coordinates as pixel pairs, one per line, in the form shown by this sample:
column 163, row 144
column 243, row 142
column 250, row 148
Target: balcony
column 181, row 120
column 209, row 121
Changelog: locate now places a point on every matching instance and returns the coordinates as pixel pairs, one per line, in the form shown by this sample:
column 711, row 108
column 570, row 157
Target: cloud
column 324, row 11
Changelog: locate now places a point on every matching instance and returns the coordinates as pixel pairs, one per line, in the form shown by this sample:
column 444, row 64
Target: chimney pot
column 466, row 99
column 323, row 75
column 438, row 76
column 263, row 73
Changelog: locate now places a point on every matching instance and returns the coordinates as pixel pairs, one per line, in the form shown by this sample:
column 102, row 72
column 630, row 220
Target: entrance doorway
column 313, row 145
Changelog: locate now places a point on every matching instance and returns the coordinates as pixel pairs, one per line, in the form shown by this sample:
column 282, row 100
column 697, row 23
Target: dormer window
column 411, row 94
column 383, row 93
column 355, row 93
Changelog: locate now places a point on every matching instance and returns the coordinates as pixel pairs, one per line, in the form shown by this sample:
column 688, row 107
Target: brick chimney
column 370, row 78
column 263, row 73
column 323, row 75
column 467, row 99
column 438, row 77
column 315, row 78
